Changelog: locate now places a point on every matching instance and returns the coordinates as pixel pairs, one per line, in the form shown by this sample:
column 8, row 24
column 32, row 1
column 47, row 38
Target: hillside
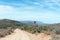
column 27, row 25
column 55, row 27
column 10, row 23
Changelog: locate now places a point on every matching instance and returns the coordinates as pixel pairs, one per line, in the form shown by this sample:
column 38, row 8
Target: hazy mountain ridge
column 32, row 23
column 8, row 22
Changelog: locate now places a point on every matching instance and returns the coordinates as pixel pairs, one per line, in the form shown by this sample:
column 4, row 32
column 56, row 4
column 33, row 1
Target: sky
column 47, row 11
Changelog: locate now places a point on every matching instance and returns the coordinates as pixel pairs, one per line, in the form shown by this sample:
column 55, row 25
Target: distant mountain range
column 32, row 23
column 8, row 22
column 18, row 23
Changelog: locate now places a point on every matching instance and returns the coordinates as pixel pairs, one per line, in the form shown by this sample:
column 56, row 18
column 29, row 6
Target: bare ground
column 23, row 35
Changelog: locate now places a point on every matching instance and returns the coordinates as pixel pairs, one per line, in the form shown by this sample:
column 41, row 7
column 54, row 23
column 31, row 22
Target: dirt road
column 23, row 35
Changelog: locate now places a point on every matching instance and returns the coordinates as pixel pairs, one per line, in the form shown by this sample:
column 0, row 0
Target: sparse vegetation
column 4, row 24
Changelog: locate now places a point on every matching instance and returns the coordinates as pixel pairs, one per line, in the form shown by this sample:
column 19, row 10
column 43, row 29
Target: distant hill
column 27, row 25
column 32, row 22
column 10, row 23
column 13, row 23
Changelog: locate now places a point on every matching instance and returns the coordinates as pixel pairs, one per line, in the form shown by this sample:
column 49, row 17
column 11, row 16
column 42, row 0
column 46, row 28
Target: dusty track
column 23, row 35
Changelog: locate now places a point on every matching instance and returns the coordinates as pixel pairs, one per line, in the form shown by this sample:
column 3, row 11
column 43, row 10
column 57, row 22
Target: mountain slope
column 9, row 23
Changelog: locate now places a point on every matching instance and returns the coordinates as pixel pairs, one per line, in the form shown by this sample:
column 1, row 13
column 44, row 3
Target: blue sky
column 47, row 11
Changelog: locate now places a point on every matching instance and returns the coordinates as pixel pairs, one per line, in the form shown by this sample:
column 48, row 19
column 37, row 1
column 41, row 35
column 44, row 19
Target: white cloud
column 28, row 8
column 36, row 3
column 51, row 3
column 50, row 18
column 6, row 9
